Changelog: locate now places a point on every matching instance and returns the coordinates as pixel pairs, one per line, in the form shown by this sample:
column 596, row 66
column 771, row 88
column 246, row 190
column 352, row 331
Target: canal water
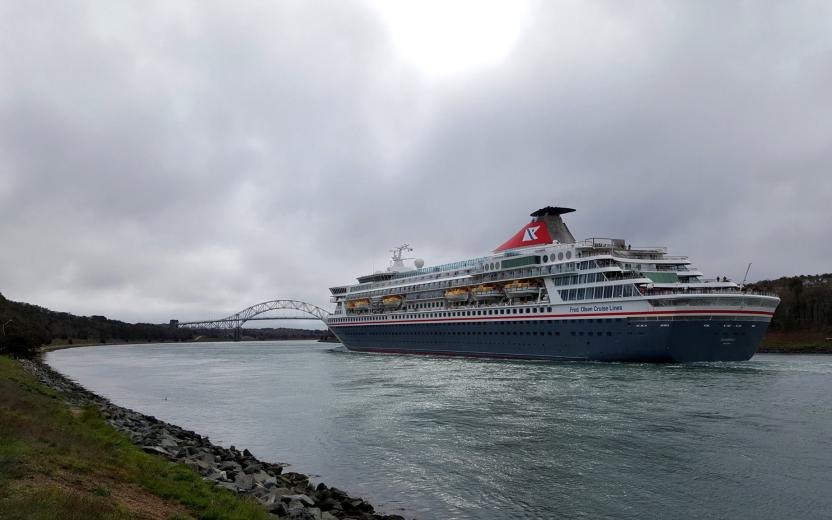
column 438, row 438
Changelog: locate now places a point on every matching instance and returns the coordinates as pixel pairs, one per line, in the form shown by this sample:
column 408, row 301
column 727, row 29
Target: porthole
column 560, row 256
column 545, row 258
column 568, row 255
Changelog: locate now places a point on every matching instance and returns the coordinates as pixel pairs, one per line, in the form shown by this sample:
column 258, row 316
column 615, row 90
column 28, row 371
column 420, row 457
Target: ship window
column 545, row 258
column 560, row 256
column 568, row 255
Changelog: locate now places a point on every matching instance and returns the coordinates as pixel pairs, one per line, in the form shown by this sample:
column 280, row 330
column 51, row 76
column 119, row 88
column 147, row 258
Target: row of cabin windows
column 459, row 314
column 560, row 256
column 526, row 322
column 426, row 305
column 519, row 333
column 505, row 333
column 580, row 278
column 454, row 314
column 594, row 293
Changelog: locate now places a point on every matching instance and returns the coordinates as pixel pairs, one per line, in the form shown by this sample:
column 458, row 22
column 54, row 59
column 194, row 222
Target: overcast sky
column 188, row 159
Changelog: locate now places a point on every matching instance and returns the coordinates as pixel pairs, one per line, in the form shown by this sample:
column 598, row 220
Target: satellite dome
column 419, row 263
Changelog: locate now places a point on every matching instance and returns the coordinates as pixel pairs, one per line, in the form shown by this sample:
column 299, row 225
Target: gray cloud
column 186, row 160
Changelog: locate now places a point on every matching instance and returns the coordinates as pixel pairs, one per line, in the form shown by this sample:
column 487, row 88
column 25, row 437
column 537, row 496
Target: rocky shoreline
column 286, row 495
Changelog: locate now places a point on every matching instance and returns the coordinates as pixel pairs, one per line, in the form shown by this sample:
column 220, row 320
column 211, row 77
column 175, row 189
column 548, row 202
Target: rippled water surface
column 436, row 438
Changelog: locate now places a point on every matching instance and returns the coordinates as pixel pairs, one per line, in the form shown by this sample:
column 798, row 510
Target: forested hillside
column 26, row 327
column 806, row 302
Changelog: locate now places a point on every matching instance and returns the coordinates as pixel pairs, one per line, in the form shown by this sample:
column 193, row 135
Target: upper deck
column 548, row 271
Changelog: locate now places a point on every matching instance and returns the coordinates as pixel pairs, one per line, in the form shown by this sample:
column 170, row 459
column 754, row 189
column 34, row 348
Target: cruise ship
column 543, row 295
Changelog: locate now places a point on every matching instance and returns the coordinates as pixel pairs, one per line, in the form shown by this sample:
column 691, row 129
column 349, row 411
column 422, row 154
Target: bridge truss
column 235, row 321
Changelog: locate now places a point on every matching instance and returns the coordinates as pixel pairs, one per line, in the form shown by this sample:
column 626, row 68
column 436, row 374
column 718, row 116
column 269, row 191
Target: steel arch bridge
column 235, row 321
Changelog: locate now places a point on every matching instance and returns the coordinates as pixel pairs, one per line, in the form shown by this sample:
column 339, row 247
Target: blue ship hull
column 605, row 339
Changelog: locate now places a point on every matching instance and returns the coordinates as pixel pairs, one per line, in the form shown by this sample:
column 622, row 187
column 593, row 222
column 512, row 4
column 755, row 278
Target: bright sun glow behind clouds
column 446, row 39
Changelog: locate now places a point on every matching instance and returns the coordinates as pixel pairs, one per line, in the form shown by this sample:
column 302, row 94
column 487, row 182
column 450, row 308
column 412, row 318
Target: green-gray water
column 437, row 438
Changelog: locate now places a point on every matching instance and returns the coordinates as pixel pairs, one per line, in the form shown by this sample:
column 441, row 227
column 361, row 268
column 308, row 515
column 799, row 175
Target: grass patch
column 797, row 342
column 56, row 464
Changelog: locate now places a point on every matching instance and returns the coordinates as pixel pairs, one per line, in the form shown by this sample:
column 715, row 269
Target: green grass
column 58, row 464
column 798, row 342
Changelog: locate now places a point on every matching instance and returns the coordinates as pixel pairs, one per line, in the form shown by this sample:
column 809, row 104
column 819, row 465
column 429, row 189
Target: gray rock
column 204, row 456
column 157, row 450
column 253, row 468
column 227, row 485
column 263, row 478
column 295, row 510
column 300, row 498
column 330, row 504
column 214, row 474
column 168, row 442
column 280, row 492
column 230, row 465
column 198, row 465
column 243, row 481
column 326, row 515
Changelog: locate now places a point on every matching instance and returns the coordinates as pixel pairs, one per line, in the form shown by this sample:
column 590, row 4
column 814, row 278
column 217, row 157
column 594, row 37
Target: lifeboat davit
column 457, row 295
column 518, row 289
column 358, row 305
column 392, row 302
column 486, row 292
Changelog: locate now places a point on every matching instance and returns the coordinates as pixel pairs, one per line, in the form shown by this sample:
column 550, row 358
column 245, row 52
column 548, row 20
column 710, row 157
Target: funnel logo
column 531, row 234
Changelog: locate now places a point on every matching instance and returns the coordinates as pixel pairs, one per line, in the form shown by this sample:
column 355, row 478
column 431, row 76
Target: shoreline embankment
column 287, row 495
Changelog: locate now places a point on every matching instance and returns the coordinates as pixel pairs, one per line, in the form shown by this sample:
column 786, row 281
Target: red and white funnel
column 546, row 227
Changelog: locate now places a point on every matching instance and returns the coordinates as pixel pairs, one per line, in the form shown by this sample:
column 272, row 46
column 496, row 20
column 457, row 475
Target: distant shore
column 796, row 343
column 62, row 346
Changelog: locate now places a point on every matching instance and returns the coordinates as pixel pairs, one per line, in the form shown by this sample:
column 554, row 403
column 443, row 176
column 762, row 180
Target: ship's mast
column 397, row 260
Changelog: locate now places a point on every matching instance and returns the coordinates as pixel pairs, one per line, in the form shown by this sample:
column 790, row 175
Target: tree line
column 806, row 302
column 25, row 327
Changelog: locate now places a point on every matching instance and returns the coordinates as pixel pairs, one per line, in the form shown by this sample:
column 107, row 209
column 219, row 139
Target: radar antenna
column 398, row 250
column 397, row 261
